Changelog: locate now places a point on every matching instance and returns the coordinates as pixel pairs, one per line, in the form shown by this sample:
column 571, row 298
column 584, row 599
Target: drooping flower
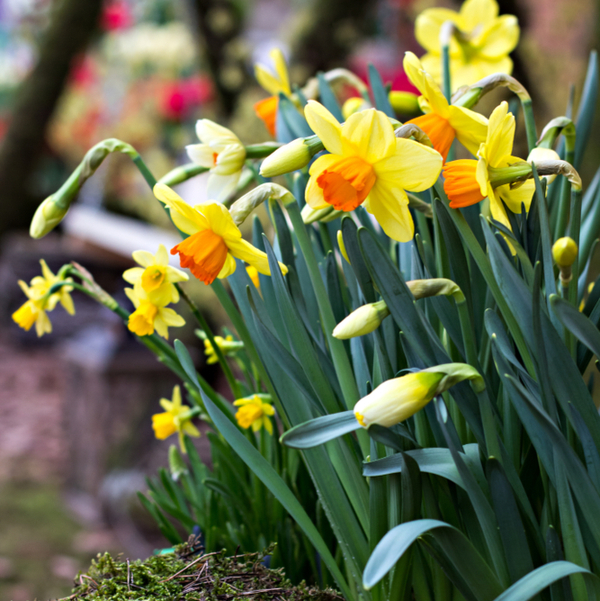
column 214, row 240
column 255, row 412
column 274, row 83
column 442, row 121
column 175, row 419
column 155, row 276
column 148, row 316
column 369, row 165
column 220, row 151
column 470, row 181
column 228, row 346
column 479, row 48
column 40, row 301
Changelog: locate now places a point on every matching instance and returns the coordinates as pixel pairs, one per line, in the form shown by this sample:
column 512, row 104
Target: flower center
column 347, row 183
column 141, row 321
column 440, row 132
column 203, row 253
column 461, row 184
column 248, row 414
column 153, row 277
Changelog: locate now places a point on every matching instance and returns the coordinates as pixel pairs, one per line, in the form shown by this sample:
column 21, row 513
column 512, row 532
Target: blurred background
column 75, row 431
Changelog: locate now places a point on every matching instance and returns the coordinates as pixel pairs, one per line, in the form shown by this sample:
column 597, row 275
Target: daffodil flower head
column 228, row 346
column 148, row 316
column 214, row 240
column 175, row 419
column 40, row 301
column 479, row 48
column 222, row 153
column 274, row 83
column 368, row 165
column 255, row 412
column 155, row 276
column 442, row 121
column 470, row 181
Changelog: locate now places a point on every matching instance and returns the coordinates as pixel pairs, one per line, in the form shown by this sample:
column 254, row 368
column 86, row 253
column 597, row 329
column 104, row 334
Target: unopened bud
column 328, row 213
column 243, row 206
column 564, row 252
column 47, row 216
column 177, row 465
column 295, row 155
column 468, row 96
column 404, row 103
column 363, row 320
column 544, row 154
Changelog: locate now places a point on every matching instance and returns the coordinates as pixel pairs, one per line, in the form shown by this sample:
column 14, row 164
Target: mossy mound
column 184, row 576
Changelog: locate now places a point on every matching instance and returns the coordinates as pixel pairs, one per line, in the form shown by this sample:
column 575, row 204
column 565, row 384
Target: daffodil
column 40, row 301
column 175, row 419
column 148, row 316
column 442, row 121
column 228, row 346
column 222, row 153
column 214, row 239
column 369, row 165
column 480, row 46
column 470, row 181
column 155, row 276
column 274, row 83
column 255, row 412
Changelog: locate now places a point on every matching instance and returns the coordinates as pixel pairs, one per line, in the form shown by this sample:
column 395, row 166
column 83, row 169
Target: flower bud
column 292, row 156
column 404, row 103
column 310, row 215
column 564, row 252
column 244, row 205
column 544, row 154
column 47, row 216
column 177, row 465
column 363, row 320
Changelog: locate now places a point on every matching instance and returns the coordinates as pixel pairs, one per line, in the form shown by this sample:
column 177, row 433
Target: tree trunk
column 71, row 28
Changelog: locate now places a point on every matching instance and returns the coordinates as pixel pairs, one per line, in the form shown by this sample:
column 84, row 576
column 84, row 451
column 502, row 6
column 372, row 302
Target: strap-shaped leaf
column 320, row 430
column 380, row 94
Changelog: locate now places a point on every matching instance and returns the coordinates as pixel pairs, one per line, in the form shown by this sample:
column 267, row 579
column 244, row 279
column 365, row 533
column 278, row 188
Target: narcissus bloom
column 148, row 317
column 175, row 419
column 39, row 302
column 442, row 121
column 220, row 151
column 369, row 165
column 480, row 47
column 229, row 347
column 274, row 83
column 155, row 276
column 470, row 181
column 254, row 412
column 214, row 239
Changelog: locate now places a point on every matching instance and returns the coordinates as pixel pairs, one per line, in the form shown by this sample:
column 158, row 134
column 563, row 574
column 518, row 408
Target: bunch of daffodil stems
column 415, row 329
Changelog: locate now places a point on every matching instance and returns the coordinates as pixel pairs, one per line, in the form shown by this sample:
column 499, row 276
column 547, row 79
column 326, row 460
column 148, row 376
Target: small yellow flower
column 254, row 412
column 229, row 347
column 469, row 181
column 481, row 47
column 222, row 153
column 442, row 121
column 214, row 239
column 175, row 419
column 148, row 317
column 274, row 83
column 369, row 165
column 34, row 310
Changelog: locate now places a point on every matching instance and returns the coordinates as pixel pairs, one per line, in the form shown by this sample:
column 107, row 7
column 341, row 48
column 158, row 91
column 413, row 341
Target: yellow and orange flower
column 442, row 121
column 469, row 181
column 480, row 49
column 148, row 316
column 255, row 412
column 175, row 419
column 274, row 83
column 369, row 165
column 214, row 241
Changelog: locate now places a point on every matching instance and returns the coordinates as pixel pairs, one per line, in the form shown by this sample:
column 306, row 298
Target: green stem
column 446, row 83
column 341, row 362
column 260, row 151
column 143, row 169
column 564, row 205
column 529, row 123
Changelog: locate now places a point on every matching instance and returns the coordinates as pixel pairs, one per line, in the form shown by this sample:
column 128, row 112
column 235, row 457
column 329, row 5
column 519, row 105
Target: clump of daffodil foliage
column 186, row 576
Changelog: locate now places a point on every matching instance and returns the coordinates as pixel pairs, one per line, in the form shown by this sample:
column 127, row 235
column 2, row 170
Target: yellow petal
column 325, row 125
column 133, row 296
column 228, row 268
column 202, row 154
column 432, row 63
column 314, row 193
column 475, row 13
column 171, row 318
column 67, row 302
column 427, row 29
column 501, row 134
column 48, row 275
column 143, row 258
column 241, row 249
column 433, row 96
column 499, row 39
column 220, row 187
column 220, row 220
column 390, row 208
column 212, row 133
column 134, row 274
column 266, row 80
column 523, row 194
column 369, row 134
column 183, row 216
column 190, row 429
column 412, row 166
column 268, row 425
column 471, row 128
column 42, row 324
column 281, row 69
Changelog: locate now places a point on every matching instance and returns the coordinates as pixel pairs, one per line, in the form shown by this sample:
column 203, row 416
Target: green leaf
column 410, row 487
column 328, row 99
column 535, row 582
column 320, row 430
column 380, row 94
column 480, row 582
column 587, row 107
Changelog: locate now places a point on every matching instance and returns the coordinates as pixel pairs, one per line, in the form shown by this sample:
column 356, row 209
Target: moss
column 184, row 576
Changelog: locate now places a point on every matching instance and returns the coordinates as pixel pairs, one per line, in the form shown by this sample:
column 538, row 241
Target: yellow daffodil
column 442, row 121
column 254, row 412
column 214, row 240
column 479, row 48
column 274, row 83
column 229, row 347
column 155, row 276
column 34, row 310
column 148, row 317
column 220, row 151
column 175, row 419
column 369, row 165
column 469, row 181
